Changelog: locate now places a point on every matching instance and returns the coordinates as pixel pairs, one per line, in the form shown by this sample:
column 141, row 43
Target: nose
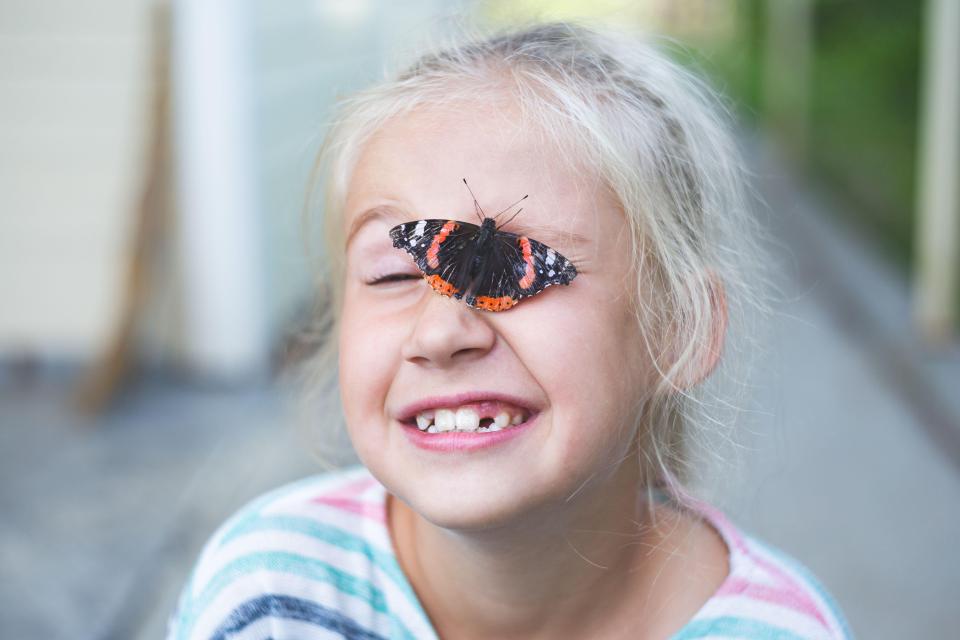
column 447, row 332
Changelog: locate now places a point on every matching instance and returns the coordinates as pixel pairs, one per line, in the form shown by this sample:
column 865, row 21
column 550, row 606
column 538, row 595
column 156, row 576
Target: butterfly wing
column 518, row 267
column 442, row 249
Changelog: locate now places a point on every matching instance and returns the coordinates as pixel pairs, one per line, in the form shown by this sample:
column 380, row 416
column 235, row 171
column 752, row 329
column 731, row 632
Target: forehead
column 413, row 167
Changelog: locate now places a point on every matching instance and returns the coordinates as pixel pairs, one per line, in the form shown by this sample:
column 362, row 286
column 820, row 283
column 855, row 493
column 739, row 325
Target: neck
column 566, row 567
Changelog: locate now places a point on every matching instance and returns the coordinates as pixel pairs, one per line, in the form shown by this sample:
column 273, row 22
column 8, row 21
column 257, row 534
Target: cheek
column 590, row 362
column 368, row 353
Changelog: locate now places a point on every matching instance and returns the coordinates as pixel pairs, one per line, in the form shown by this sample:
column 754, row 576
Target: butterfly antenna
column 511, row 217
column 511, row 207
column 476, row 205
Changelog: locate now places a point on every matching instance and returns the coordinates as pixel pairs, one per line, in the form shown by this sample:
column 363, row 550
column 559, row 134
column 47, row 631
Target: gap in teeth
column 465, row 419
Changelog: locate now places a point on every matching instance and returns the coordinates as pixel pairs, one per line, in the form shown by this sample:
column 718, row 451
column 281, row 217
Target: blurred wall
column 76, row 84
column 74, row 87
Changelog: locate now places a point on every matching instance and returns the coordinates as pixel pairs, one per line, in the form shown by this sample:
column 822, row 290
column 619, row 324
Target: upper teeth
column 464, row 419
column 445, row 420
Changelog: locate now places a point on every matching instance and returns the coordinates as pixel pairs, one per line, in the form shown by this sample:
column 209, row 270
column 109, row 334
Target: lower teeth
column 433, row 429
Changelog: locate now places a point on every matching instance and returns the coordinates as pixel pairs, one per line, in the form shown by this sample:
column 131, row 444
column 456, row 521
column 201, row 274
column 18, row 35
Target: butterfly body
column 484, row 266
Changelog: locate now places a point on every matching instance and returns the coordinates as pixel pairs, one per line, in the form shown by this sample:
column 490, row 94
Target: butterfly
column 486, row 267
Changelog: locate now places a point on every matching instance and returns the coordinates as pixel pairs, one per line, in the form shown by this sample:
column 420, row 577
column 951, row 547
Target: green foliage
column 863, row 104
column 864, row 111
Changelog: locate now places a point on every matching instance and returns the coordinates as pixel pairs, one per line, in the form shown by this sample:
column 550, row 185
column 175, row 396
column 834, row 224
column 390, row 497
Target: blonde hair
column 659, row 139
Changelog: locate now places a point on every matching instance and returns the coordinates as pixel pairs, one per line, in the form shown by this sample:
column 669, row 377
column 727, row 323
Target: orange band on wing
column 528, row 275
column 440, row 285
column 494, row 304
column 445, row 230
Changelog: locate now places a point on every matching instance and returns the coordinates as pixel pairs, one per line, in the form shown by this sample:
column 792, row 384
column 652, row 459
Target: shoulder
column 767, row 594
column 309, row 558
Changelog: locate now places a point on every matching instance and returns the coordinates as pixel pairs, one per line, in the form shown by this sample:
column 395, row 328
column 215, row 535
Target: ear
column 703, row 364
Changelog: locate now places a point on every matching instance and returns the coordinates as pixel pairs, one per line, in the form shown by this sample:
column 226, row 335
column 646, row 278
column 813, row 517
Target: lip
column 410, row 411
column 465, row 441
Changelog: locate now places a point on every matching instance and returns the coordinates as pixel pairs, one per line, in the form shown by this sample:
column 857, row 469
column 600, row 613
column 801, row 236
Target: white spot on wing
column 551, row 256
column 418, row 231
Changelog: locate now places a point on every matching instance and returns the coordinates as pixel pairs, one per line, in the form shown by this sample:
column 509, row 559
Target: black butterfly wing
column 518, row 267
column 416, row 237
column 442, row 249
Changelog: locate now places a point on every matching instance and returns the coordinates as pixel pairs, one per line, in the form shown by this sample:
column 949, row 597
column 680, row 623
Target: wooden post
column 100, row 384
column 938, row 196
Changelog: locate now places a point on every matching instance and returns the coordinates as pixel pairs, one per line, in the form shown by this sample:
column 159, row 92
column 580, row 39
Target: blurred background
column 155, row 274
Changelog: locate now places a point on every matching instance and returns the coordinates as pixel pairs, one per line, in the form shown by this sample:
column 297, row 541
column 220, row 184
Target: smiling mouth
column 468, row 419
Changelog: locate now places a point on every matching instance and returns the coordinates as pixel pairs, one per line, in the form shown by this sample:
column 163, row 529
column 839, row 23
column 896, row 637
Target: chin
column 469, row 506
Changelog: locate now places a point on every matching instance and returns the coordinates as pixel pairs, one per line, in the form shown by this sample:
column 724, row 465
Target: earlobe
column 704, row 362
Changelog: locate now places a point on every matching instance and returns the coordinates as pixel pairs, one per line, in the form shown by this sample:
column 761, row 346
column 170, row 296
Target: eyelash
column 393, row 277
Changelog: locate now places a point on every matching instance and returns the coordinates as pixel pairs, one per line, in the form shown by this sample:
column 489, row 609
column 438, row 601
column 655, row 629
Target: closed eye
column 394, row 277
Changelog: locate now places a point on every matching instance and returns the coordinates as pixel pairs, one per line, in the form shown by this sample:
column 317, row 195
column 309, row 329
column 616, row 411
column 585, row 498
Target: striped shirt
column 314, row 559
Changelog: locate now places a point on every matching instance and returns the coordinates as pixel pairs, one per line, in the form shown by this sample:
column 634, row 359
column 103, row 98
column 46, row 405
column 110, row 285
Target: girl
column 526, row 471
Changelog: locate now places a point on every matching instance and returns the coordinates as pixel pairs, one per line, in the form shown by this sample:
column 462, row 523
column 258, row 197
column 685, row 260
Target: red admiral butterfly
column 487, row 268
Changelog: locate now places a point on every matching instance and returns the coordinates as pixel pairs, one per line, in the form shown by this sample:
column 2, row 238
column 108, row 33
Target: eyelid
column 397, row 276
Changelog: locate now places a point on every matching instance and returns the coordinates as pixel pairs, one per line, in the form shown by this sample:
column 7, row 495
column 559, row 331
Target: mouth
column 467, row 413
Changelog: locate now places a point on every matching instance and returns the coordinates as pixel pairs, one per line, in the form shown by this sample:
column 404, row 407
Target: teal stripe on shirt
column 331, row 535
column 731, row 627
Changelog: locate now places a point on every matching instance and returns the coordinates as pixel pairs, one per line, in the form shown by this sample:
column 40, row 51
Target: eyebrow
column 374, row 213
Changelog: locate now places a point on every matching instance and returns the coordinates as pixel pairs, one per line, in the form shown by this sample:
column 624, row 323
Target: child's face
column 573, row 353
